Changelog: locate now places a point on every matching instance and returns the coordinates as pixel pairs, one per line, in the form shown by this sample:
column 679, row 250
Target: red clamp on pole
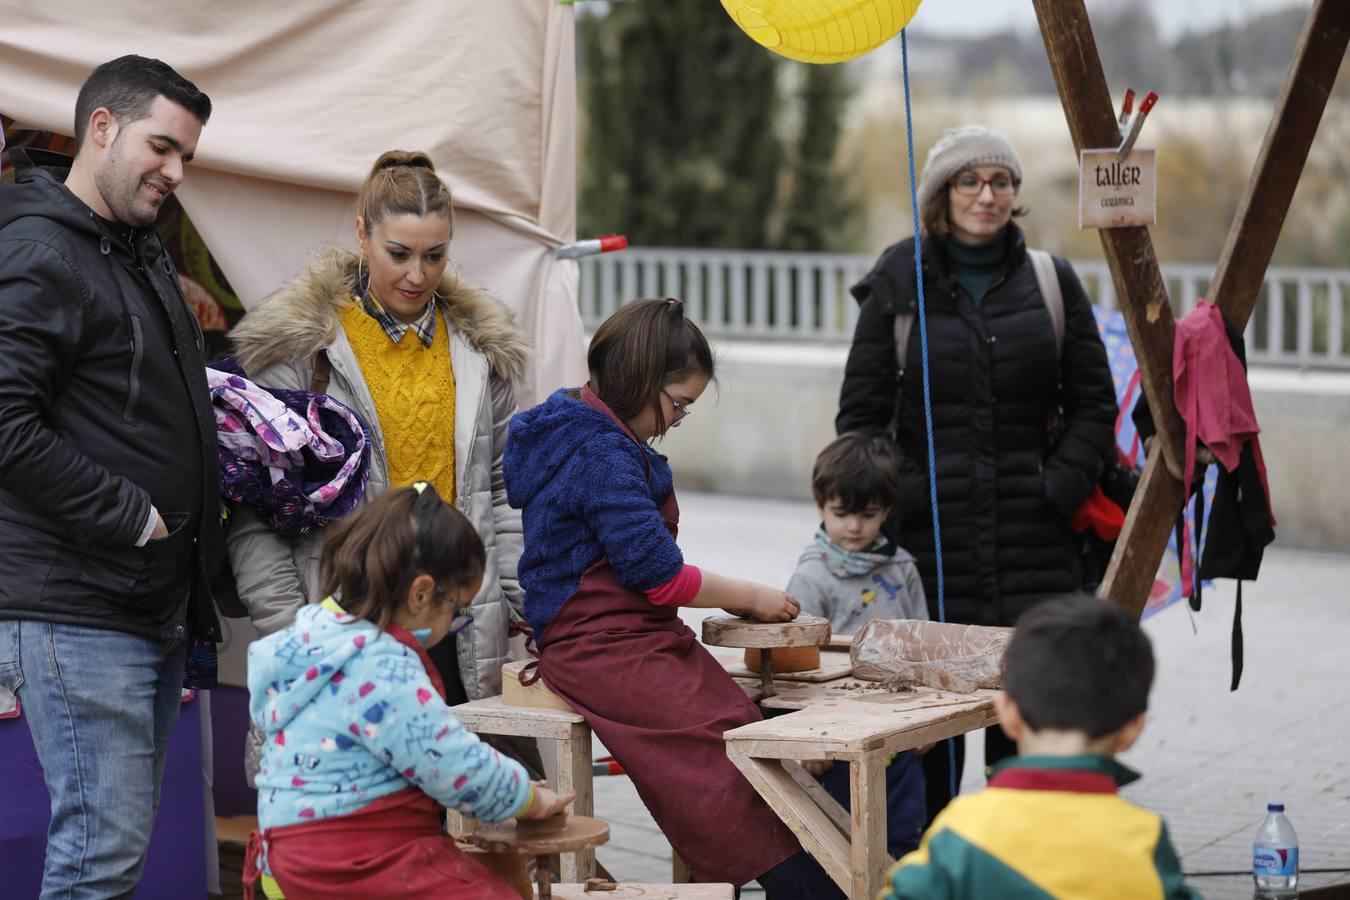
column 1136, row 124
column 606, row 243
column 1126, row 108
column 606, row 766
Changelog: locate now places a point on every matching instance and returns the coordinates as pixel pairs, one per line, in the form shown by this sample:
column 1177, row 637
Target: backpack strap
column 1047, row 279
column 323, row 372
column 904, row 324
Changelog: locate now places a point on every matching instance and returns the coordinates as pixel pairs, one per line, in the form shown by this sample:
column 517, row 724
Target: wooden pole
column 1241, row 271
column 1091, row 116
column 1260, row 216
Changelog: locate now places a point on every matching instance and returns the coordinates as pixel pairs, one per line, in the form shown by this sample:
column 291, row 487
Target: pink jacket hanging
column 1212, row 395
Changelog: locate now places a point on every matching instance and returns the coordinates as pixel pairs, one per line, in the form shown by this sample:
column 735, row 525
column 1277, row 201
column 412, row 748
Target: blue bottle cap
column 1274, row 807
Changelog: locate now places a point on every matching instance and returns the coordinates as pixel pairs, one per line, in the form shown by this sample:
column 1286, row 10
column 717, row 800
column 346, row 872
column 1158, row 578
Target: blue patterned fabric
column 350, row 715
column 587, row 491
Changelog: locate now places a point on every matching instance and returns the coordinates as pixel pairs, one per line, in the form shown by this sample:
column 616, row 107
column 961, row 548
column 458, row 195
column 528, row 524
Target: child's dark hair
column 1076, row 663
column 371, row 557
column 857, row 470
column 643, row 347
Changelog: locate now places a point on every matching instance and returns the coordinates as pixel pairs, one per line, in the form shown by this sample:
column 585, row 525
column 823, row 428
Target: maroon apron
column 660, row 703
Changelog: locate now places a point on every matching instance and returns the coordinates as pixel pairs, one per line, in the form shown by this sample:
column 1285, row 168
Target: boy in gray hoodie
column 852, row 573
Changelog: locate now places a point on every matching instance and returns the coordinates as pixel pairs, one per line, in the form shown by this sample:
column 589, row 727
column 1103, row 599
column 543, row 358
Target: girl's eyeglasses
column 463, row 618
column 681, row 409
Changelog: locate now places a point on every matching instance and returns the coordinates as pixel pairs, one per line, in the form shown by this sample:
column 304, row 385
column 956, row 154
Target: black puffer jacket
column 104, row 410
column 1005, row 494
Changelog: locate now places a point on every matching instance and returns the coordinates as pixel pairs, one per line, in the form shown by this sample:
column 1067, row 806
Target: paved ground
column 1211, row 758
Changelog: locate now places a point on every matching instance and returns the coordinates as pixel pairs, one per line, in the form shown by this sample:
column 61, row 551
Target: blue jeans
column 906, row 807
column 100, row 705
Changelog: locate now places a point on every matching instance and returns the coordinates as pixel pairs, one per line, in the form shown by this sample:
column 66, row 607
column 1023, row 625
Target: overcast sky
column 970, row 17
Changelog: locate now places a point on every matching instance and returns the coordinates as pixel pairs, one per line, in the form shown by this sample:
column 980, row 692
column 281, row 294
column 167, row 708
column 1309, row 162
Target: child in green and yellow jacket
column 1076, row 679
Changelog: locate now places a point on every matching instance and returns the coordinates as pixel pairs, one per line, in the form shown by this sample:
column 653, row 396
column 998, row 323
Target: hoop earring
column 435, row 293
column 360, row 277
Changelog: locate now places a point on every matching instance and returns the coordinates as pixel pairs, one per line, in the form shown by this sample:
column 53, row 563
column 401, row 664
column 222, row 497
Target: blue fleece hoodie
column 586, row 492
column 350, row 716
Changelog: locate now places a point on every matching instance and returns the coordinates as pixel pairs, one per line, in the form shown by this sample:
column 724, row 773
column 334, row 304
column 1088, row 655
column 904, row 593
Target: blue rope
column 927, row 389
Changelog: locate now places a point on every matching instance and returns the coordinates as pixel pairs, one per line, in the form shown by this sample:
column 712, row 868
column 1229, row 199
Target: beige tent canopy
column 308, row 93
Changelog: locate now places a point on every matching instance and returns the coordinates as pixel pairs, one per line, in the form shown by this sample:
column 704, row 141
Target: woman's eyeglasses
column 681, row 409
column 968, row 184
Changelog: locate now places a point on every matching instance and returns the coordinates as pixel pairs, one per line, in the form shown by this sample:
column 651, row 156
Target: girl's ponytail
column 371, row 557
column 640, row 349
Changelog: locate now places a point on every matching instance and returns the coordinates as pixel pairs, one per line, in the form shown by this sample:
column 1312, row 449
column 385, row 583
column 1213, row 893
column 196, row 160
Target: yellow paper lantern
column 821, row 31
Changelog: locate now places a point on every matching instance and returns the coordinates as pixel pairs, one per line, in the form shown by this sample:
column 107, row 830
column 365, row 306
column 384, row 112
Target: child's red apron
column 393, row 847
column 660, row 704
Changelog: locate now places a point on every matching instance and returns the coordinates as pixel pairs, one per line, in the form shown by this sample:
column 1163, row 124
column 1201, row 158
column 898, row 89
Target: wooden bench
column 862, row 727
column 571, row 738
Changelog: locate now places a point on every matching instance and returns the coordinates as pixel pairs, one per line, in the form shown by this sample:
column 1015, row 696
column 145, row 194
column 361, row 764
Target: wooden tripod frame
column 1072, row 51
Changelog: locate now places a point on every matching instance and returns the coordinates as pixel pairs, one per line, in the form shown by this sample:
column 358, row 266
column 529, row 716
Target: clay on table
column 908, row 653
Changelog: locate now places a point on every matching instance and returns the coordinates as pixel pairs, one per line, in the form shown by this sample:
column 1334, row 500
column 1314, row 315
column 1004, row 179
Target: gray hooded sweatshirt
column 853, row 588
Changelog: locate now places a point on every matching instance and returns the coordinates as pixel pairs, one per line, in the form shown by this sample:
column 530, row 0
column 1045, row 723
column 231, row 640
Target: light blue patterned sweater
column 351, row 716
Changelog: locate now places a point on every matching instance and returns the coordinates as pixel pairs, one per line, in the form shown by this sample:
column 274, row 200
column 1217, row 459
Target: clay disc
column 576, row 833
column 786, row 659
column 733, row 631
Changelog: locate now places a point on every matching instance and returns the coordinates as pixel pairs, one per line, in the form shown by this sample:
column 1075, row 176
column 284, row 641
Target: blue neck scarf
column 845, row 563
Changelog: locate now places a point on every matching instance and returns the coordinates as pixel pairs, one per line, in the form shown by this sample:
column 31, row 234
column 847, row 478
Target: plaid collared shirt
column 424, row 327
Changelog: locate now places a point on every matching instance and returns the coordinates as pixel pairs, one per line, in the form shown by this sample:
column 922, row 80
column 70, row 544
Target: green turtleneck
column 977, row 265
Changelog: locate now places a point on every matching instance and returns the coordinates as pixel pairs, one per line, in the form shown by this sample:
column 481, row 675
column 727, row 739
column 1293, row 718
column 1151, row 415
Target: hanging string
column 927, row 389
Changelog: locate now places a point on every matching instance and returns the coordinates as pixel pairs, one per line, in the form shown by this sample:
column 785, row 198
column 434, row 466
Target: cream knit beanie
column 967, row 147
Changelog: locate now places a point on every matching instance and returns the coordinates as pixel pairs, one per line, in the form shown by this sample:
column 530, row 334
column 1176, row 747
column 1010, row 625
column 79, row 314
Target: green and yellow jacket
column 1047, row 826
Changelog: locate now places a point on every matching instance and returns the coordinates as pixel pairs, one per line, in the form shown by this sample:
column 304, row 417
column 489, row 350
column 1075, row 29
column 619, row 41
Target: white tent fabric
column 307, row 94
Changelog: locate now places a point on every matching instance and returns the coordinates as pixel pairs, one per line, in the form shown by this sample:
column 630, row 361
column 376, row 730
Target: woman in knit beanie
column 1023, row 408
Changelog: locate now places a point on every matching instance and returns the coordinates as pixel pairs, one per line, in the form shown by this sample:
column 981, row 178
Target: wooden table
column 860, row 726
column 572, row 742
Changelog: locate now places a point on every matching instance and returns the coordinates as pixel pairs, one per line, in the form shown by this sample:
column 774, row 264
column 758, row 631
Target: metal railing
column 1300, row 318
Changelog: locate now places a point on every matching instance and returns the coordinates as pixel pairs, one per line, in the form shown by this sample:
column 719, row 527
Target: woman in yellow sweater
column 428, row 362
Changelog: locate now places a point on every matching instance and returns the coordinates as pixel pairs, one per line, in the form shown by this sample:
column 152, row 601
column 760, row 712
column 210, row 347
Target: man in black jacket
column 108, row 471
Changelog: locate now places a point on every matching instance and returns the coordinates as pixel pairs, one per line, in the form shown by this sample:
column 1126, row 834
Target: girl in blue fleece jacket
column 361, row 750
column 604, row 578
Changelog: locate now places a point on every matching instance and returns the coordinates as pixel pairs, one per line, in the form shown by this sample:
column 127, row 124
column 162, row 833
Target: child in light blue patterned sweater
column 361, row 749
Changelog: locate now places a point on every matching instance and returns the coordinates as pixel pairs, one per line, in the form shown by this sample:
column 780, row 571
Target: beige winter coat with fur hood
column 277, row 342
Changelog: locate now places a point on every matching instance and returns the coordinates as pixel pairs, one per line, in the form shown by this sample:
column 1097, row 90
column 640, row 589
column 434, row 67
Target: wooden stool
column 553, row 720
column 733, row 631
column 538, row 838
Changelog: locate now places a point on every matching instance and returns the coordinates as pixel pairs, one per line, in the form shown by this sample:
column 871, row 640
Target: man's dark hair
column 128, row 85
column 1076, row 663
column 857, row 470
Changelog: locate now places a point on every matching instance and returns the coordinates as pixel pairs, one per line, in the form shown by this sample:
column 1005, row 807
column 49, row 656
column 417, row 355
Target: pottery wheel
column 535, row 837
column 733, row 631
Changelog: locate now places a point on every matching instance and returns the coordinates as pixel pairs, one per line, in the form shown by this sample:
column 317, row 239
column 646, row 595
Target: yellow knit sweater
column 413, row 387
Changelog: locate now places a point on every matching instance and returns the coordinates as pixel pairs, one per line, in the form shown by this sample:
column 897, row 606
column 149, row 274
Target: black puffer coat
column 1006, row 490
column 104, row 410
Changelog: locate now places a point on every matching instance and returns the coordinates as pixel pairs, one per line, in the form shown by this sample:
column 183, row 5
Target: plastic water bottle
column 1275, row 857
